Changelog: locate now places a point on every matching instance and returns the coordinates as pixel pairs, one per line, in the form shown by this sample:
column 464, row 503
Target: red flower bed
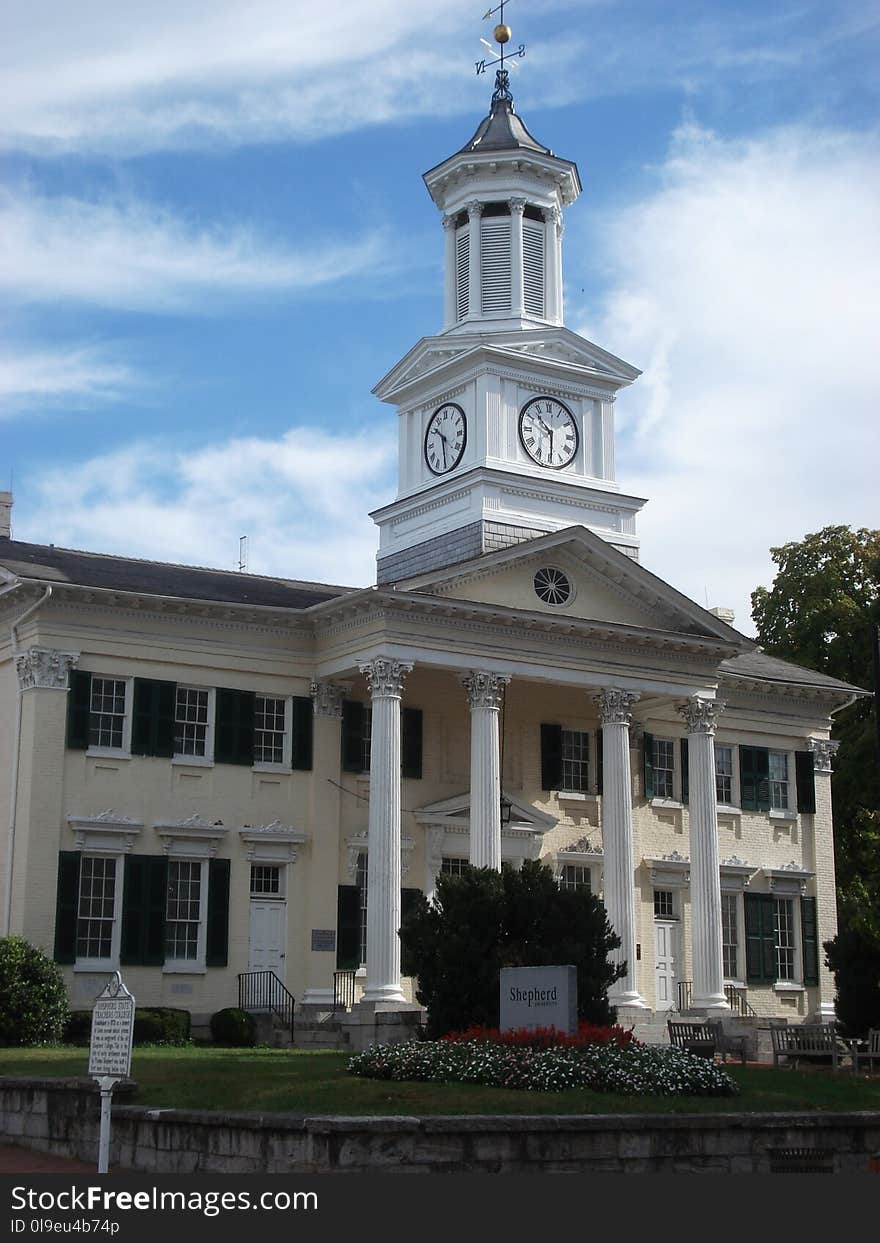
column 546, row 1037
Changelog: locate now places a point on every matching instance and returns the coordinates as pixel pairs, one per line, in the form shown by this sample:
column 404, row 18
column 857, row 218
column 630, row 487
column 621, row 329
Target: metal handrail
column 343, row 990
column 685, row 993
column 736, row 998
column 262, row 990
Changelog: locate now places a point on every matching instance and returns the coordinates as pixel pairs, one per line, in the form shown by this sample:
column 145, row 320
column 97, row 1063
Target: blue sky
column 214, row 240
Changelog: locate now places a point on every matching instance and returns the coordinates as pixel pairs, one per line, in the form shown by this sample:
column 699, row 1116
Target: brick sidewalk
column 14, row 1160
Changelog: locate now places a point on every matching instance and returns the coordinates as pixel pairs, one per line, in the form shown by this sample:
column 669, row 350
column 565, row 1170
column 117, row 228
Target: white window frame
column 794, row 983
column 737, row 980
column 789, row 811
column 198, row 761
column 112, row 962
column 568, row 791
column 257, row 895
column 191, row 966
column 734, row 804
column 673, row 799
column 124, row 751
column 459, row 862
column 286, row 765
column 576, row 883
column 675, row 915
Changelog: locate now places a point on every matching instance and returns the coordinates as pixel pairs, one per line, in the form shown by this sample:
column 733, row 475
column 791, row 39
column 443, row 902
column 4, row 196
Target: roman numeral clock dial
column 445, row 438
column 548, row 432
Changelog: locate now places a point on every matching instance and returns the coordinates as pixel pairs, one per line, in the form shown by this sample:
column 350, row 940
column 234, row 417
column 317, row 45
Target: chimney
column 5, row 515
column 723, row 614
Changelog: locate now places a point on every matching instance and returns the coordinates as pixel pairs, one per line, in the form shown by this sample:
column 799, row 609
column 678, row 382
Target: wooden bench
column 809, row 1040
column 727, row 1042
column 868, row 1050
column 694, row 1037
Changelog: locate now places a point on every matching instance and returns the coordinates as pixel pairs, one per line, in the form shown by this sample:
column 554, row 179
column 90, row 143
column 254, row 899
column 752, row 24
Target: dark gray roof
column 184, row 582
column 760, row 666
column 502, row 130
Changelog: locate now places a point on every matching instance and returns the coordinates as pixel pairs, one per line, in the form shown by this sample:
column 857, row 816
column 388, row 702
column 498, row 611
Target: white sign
column 539, row 997
column 112, row 1032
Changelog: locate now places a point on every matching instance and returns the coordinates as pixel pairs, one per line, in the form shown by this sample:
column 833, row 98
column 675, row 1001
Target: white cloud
column 746, row 287
column 74, row 374
column 134, row 255
column 303, row 500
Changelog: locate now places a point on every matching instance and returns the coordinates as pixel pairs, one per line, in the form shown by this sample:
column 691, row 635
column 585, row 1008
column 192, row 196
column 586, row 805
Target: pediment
column 603, row 585
column 455, row 813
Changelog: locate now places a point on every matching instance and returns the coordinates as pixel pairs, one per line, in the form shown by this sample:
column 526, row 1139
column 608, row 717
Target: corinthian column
column 449, row 283
column 701, row 716
column 475, row 213
column 485, row 692
column 385, row 679
column 517, row 293
column 617, row 838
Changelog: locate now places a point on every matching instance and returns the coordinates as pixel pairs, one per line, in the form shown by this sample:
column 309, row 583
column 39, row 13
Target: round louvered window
column 552, row 586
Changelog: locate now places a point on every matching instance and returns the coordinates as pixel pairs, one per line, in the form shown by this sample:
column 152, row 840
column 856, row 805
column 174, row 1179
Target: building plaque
column 324, row 939
column 539, row 997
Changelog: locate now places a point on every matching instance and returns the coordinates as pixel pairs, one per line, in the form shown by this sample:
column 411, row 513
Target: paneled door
column 666, row 937
column 268, row 937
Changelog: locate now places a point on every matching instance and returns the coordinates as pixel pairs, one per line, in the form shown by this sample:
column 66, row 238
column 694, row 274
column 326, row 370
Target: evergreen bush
column 234, row 1027
column 161, row 1025
column 33, row 998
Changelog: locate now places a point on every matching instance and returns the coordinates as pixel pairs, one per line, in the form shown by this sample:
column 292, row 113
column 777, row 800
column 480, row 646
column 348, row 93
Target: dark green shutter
column 760, row 939
column 217, row 932
column 810, row 938
column 408, row 899
column 303, row 721
column 754, row 778
column 648, row 764
column 79, row 704
column 806, row 782
column 144, row 900
column 234, row 727
column 411, row 742
column 685, row 786
column 551, row 757
column 600, row 759
column 67, row 905
column 352, row 736
column 152, row 726
column 348, row 928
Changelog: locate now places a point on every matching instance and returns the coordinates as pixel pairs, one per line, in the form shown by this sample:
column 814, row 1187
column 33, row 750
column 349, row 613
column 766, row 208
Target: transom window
column 191, row 721
column 575, row 876
column 779, row 780
column 270, row 720
column 97, row 902
column 107, row 712
column 575, row 761
column 724, row 775
column 265, row 880
column 729, row 935
column 664, row 768
column 183, row 910
column 453, row 867
column 783, row 927
column 664, row 904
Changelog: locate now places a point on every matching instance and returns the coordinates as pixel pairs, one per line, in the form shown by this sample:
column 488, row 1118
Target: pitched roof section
column 47, row 563
column 758, row 666
column 503, row 130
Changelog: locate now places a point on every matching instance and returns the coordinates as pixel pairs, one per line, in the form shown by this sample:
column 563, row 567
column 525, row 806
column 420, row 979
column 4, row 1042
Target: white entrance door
column 665, row 958
column 268, row 937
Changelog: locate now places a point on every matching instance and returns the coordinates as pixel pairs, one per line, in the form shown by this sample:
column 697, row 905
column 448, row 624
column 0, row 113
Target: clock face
column 548, row 432
column 445, row 438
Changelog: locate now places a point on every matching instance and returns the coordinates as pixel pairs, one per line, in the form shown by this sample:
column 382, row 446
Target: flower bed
column 636, row 1070
column 548, row 1037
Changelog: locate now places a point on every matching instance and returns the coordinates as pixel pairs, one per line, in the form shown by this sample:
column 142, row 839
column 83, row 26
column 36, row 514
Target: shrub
column 161, row 1025
column 33, row 998
column 548, row 1037
column 484, row 920
column 78, row 1028
column 234, row 1027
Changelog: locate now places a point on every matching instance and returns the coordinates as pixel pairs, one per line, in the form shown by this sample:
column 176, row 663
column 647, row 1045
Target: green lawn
column 269, row 1080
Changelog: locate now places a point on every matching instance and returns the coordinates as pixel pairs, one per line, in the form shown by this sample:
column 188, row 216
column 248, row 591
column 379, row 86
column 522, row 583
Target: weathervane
column 501, row 34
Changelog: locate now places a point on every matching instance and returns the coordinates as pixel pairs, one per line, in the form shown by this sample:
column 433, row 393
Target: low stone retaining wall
column 62, row 1116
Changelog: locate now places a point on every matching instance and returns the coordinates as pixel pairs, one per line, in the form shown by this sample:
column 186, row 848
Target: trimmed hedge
column 234, row 1027
column 33, row 997
column 163, row 1025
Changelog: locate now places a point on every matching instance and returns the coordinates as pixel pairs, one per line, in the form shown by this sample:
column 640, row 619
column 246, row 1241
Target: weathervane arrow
column 502, row 35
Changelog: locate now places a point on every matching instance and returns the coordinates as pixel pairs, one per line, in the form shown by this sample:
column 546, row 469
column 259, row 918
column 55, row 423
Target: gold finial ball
column 502, row 34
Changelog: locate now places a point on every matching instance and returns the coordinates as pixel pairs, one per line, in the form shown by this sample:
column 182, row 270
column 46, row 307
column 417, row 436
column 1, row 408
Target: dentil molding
column 44, row 668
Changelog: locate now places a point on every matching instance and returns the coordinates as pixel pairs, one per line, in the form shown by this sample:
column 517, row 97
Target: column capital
column 449, row 222
column 385, row 677
column 700, row 715
column 484, row 690
column 517, row 206
column 552, row 215
column 327, row 697
column 614, row 705
column 44, row 668
column 474, row 208
column 823, row 751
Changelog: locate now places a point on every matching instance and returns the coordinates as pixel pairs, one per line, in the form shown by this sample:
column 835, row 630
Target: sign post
column 110, row 1051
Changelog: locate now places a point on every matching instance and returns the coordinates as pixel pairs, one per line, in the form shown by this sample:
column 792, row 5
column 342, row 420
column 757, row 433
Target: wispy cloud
column 128, row 254
column 746, row 287
column 75, row 374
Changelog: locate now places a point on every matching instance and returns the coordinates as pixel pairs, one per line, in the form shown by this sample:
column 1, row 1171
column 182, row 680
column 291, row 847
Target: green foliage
column 162, row 1025
column 484, row 920
column 233, row 1027
column 854, row 957
column 33, row 999
column 78, row 1028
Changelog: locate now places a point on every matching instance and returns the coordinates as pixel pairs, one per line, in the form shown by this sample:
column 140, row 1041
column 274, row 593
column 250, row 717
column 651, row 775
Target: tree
column 484, row 920
column 33, row 999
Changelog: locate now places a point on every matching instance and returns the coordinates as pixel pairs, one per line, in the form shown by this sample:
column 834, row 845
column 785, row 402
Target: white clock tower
column 506, row 425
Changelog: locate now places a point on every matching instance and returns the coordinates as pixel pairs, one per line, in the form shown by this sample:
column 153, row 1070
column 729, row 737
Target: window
column 566, row 760
column 357, row 721
column 724, row 775
column 453, row 867
column 361, row 882
column 96, row 912
column 575, row 876
column 266, row 880
column 664, row 768
column 575, row 761
column 782, row 942
column 778, row 768
column 783, row 927
column 107, row 713
column 664, row 904
column 729, row 935
column 191, row 721
column 270, row 730
column 183, row 912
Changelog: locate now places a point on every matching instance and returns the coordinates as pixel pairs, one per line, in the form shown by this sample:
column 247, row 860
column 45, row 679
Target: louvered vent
column 462, row 265
column 495, row 264
column 533, row 268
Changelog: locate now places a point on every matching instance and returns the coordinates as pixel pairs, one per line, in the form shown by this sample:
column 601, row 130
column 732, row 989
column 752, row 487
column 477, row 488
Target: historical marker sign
column 539, row 997
column 112, row 1032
